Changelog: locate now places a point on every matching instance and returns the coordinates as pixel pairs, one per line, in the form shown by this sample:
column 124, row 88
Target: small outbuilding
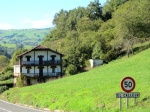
column 95, row 62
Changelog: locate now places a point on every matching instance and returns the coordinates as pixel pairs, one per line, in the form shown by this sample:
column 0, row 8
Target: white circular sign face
column 128, row 84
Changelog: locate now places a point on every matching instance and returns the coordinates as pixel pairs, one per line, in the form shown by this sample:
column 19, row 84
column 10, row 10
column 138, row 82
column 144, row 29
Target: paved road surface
column 9, row 107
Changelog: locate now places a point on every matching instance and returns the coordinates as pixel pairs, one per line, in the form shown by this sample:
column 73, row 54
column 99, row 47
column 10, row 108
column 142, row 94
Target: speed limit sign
column 128, row 84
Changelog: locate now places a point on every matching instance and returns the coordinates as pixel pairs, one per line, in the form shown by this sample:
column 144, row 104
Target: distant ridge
column 27, row 29
column 25, row 37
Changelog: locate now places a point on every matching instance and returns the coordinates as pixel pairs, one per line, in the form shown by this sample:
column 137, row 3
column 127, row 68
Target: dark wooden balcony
column 51, row 62
column 43, row 63
column 49, row 74
column 31, row 74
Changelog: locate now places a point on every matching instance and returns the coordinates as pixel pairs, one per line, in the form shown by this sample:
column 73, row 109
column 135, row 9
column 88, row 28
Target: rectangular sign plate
column 128, row 95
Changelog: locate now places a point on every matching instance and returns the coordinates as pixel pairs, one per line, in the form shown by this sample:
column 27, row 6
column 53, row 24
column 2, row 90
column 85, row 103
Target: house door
column 40, row 60
column 53, row 58
column 53, row 69
column 28, row 82
column 28, row 58
column 41, row 72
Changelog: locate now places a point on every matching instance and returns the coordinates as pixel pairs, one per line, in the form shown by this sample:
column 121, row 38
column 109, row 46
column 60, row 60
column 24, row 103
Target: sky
column 25, row 14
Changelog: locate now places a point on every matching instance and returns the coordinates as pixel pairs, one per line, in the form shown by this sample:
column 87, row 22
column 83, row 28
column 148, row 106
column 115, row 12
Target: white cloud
column 41, row 23
column 38, row 23
column 46, row 15
column 5, row 26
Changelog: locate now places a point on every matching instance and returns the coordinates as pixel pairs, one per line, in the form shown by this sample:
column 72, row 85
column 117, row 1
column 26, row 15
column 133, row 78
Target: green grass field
column 92, row 91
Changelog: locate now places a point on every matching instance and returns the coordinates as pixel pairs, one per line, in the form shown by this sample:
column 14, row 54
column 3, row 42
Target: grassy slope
column 90, row 91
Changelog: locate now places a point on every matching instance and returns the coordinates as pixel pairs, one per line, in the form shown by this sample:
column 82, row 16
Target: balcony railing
column 49, row 74
column 31, row 74
column 51, row 62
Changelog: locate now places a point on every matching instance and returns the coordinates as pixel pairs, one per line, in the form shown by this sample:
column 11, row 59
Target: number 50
column 127, row 84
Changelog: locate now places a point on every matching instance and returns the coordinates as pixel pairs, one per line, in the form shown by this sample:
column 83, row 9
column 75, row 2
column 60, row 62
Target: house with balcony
column 38, row 65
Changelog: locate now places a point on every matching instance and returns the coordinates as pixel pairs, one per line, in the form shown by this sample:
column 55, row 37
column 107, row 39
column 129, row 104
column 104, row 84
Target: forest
column 120, row 27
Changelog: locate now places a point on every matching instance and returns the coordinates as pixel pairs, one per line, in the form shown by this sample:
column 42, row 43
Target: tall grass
column 92, row 91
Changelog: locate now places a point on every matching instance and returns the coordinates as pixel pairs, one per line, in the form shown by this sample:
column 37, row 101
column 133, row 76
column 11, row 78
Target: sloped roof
column 39, row 47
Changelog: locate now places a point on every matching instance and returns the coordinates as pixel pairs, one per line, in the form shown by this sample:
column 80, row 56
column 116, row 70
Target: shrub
column 3, row 88
column 87, row 63
column 19, row 82
column 8, row 68
column 5, row 76
column 71, row 70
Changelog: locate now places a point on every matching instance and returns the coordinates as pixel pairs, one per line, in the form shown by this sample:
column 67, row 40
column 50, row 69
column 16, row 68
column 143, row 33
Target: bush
column 87, row 63
column 3, row 88
column 8, row 68
column 71, row 70
column 5, row 76
column 19, row 82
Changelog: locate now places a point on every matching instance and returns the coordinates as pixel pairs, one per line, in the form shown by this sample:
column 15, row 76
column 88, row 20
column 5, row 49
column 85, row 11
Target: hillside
column 25, row 37
column 94, row 90
column 99, row 32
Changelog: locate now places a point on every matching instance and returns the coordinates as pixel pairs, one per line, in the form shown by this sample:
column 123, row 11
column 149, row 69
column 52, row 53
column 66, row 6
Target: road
column 9, row 107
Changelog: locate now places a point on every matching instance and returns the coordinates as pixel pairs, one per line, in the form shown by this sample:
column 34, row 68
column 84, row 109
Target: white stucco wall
column 28, row 54
column 51, row 53
column 38, row 53
column 45, row 69
column 32, row 69
column 49, row 69
column 24, row 70
column 15, row 80
column 43, row 53
column 58, row 69
column 16, row 68
column 36, row 69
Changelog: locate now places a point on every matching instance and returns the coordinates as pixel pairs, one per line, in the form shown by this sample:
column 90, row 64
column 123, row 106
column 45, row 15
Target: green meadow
column 92, row 91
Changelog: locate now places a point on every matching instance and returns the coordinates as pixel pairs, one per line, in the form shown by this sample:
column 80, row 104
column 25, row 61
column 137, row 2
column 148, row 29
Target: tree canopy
column 99, row 32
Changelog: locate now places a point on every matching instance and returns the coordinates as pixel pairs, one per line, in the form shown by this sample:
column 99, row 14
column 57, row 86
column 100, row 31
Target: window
column 28, row 58
column 53, row 57
column 28, row 70
column 53, row 69
column 40, row 59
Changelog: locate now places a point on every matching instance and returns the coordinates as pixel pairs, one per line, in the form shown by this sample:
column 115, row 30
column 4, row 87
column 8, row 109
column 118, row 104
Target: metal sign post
column 134, row 101
column 120, row 104
column 127, row 85
column 127, row 102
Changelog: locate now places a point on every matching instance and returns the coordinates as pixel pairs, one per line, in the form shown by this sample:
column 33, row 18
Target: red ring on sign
column 124, row 88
